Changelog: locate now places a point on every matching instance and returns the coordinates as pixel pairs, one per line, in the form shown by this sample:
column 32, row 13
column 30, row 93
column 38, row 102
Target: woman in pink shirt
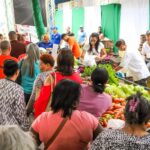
column 93, row 99
column 77, row 128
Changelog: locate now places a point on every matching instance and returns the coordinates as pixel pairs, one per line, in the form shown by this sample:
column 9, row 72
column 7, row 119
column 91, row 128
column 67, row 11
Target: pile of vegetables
column 119, row 94
column 112, row 74
column 115, row 112
column 125, row 90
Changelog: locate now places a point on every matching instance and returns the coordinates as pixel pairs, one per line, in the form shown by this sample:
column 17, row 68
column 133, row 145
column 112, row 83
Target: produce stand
column 119, row 89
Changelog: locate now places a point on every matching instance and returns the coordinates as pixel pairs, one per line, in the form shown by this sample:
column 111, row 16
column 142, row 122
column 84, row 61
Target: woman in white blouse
column 93, row 51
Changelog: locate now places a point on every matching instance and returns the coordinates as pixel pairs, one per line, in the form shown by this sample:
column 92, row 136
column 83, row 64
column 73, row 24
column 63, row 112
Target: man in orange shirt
column 73, row 45
column 5, row 55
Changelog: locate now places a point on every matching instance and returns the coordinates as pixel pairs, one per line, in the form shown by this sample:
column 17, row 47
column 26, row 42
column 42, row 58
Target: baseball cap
column 54, row 27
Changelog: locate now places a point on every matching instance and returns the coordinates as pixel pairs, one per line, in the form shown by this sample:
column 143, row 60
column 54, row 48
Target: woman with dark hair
column 73, row 129
column 65, row 70
column 93, row 99
column 65, row 66
column 12, row 103
column 29, row 68
column 94, row 51
column 46, row 65
column 134, row 134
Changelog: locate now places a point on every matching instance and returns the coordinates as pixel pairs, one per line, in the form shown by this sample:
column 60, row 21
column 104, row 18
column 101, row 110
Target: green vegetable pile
column 88, row 71
column 125, row 90
column 112, row 74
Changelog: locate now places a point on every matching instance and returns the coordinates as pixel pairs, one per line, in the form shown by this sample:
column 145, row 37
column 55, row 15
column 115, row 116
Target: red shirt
column 2, row 60
column 17, row 48
column 75, row 77
column 43, row 99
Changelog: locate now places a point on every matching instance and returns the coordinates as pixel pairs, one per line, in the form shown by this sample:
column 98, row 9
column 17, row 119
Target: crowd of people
column 44, row 100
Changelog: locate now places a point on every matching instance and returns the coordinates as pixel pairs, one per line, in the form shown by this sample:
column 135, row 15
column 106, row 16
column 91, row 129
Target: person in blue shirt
column 55, row 37
column 81, row 36
column 46, row 43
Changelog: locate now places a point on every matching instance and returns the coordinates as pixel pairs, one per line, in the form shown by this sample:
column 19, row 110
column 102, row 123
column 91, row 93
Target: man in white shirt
column 134, row 63
column 146, row 49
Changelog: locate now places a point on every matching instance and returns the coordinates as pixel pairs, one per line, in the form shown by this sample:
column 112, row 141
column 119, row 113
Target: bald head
column 5, row 46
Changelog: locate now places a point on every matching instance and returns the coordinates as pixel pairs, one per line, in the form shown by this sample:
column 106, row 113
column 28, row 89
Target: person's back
column 5, row 55
column 75, row 47
column 12, row 105
column 75, row 77
column 117, row 139
column 29, row 69
column 78, row 128
column 133, row 135
column 27, row 81
column 3, row 58
column 93, row 102
column 10, row 99
column 93, row 99
column 18, row 48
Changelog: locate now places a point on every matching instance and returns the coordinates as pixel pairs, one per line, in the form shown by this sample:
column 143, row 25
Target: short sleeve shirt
column 56, row 38
column 75, row 47
column 146, row 50
column 75, row 135
column 45, row 45
column 135, row 64
column 3, row 58
column 93, row 102
column 119, row 140
column 81, row 37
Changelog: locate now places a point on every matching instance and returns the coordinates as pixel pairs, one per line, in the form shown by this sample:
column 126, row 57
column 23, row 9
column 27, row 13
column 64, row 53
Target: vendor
column 45, row 43
column 134, row 63
column 72, row 44
column 93, row 51
column 146, row 49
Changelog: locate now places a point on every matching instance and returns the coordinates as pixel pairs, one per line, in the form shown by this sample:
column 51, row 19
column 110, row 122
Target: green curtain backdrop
column 110, row 21
column 59, row 20
column 77, row 19
column 37, row 17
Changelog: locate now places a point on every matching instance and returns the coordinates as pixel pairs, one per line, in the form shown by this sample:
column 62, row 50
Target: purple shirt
column 93, row 102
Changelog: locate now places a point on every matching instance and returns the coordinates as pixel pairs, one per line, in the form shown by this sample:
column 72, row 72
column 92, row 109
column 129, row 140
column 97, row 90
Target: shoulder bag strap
column 53, row 83
column 52, row 139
